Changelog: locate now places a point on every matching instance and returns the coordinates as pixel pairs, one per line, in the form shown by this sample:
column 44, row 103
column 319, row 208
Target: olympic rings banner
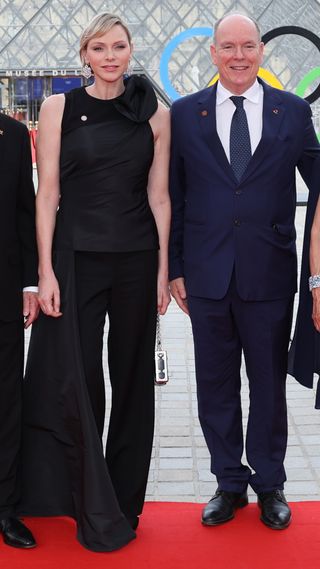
column 268, row 76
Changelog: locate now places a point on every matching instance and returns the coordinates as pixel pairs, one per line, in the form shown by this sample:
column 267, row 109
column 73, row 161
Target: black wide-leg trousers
column 11, row 371
column 124, row 287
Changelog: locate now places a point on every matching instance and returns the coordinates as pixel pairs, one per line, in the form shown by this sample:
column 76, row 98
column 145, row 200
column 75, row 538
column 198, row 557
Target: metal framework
column 42, row 34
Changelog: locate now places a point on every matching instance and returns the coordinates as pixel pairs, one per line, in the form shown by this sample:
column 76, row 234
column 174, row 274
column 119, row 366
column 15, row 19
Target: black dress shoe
column 222, row 506
column 133, row 521
column 275, row 512
column 16, row 534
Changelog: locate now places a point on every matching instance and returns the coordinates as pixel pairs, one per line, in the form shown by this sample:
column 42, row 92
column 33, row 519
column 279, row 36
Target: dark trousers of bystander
column 11, row 372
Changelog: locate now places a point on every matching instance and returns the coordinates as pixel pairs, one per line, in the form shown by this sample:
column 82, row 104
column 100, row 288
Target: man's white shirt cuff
column 30, row 289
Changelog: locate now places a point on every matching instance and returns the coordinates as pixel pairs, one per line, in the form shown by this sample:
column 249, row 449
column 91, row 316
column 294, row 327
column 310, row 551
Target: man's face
column 237, row 53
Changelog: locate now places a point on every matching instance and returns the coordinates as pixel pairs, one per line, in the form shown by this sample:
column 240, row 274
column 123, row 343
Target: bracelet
column 314, row 282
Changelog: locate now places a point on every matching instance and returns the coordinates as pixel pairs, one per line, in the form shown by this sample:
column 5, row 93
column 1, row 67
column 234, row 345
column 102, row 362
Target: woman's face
column 109, row 54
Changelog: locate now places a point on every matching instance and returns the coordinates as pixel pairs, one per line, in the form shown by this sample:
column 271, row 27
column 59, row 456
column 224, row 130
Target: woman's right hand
column 49, row 295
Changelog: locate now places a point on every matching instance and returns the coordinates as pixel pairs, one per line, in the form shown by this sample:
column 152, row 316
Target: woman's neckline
column 103, row 100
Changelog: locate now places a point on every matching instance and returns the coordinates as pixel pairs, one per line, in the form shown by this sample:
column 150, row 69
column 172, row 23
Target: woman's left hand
column 164, row 297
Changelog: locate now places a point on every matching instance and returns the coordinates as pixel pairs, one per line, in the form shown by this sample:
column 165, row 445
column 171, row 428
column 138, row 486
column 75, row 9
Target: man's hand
column 31, row 308
column 316, row 308
column 178, row 292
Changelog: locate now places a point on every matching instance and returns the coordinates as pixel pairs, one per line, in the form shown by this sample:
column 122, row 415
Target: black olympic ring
column 296, row 30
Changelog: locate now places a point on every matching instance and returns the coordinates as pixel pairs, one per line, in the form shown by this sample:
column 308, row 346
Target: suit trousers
column 124, row 287
column 11, row 373
column 222, row 330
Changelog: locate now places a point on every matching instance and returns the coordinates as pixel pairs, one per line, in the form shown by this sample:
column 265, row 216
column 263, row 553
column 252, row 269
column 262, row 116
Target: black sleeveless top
column 106, row 152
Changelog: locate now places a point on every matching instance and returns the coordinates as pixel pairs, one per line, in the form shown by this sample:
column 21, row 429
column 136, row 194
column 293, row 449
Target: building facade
column 39, row 46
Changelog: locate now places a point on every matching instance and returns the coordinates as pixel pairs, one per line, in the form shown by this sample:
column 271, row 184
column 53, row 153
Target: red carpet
column 170, row 536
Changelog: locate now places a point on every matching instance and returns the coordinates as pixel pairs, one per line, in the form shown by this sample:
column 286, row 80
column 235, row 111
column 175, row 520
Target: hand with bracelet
column 314, row 259
column 314, row 287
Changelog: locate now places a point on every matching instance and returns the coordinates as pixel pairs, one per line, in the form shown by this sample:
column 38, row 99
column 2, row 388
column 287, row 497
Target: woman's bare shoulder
column 54, row 103
column 160, row 121
column 162, row 111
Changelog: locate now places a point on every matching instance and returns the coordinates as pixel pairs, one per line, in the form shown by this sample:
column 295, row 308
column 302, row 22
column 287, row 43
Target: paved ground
column 180, row 468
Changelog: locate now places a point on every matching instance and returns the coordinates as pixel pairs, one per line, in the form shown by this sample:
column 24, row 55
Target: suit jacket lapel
column 272, row 117
column 206, row 110
column 273, row 114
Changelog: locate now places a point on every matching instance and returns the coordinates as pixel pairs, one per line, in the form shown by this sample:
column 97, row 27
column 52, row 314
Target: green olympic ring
column 307, row 80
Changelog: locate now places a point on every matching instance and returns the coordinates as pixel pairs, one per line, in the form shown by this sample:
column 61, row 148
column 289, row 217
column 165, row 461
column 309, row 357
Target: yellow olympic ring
column 266, row 75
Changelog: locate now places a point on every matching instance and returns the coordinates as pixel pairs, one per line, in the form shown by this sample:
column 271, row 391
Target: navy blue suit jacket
column 219, row 224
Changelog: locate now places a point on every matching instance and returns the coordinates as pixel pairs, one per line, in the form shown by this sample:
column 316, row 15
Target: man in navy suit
column 235, row 149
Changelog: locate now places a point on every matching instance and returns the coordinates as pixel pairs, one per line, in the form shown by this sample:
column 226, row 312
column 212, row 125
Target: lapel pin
column 275, row 111
column 1, row 132
column 204, row 113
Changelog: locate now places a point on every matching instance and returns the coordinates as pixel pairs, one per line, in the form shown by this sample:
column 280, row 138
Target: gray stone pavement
column 180, row 466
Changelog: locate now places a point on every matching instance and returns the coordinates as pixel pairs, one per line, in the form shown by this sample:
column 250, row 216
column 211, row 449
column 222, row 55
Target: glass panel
column 65, row 84
column 36, row 92
column 4, row 95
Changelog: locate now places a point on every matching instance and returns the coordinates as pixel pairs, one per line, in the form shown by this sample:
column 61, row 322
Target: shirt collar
column 252, row 94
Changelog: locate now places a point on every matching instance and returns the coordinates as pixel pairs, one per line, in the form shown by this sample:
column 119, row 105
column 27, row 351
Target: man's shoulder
column 287, row 97
column 191, row 100
column 11, row 124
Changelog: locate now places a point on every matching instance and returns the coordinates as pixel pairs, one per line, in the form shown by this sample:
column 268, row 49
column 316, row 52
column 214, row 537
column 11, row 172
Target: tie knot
column 237, row 101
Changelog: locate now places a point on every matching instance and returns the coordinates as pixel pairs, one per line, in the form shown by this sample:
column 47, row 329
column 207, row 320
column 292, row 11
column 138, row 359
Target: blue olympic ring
column 166, row 55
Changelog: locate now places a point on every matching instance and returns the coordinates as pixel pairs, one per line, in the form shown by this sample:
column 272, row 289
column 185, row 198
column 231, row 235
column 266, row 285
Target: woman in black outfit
column 103, row 164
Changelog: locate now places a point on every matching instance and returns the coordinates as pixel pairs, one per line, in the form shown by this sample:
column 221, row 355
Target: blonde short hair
column 98, row 26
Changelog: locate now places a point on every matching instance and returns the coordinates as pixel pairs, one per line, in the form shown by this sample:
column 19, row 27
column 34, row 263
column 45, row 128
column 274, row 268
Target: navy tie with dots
column 240, row 145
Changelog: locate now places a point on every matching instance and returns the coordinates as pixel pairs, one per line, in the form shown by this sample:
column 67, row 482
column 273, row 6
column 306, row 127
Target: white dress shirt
column 253, row 105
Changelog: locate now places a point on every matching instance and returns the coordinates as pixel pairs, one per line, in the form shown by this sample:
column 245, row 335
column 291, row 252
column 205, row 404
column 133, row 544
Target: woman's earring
column 86, row 71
